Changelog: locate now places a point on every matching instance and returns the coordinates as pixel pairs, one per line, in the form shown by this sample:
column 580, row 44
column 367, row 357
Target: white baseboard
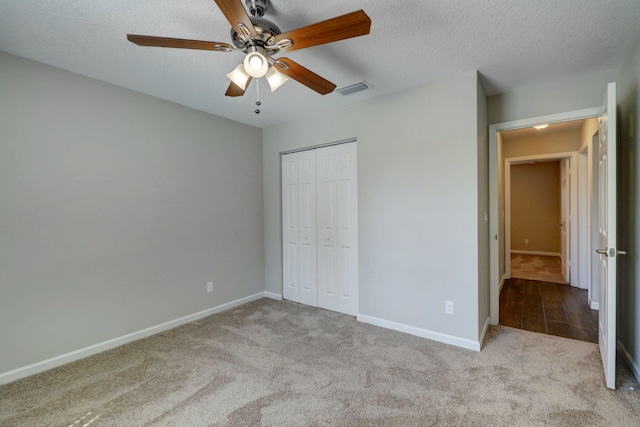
column 271, row 295
column 536, row 253
column 484, row 332
column 595, row 305
column 16, row 374
column 419, row 332
column 633, row 365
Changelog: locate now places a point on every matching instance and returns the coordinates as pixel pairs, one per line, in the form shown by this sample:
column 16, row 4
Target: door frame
column 584, row 218
column 496, row 281
column 573, row 195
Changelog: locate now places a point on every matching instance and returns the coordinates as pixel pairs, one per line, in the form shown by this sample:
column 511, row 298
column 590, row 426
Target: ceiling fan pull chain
column 258, row 103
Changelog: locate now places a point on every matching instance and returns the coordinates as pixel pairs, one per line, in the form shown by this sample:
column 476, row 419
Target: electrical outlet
column 209, row 286
column 526, row 241
column 448, row 307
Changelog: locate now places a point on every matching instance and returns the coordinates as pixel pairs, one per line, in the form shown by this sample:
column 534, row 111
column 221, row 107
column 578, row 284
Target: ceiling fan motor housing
column 265, row 30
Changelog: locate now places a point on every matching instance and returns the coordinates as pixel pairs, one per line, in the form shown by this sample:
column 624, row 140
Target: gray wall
column 483, row 210
column 116, row 209
column 551, row 97
column 418, row 201
column 629, row 209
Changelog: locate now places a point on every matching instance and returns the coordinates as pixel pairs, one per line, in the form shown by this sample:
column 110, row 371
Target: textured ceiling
column 412, row 42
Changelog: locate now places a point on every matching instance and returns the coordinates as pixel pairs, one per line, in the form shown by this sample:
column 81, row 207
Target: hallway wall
column 535, row 207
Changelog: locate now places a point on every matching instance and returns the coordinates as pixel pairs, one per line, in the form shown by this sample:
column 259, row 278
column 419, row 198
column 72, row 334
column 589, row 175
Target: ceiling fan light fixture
column 240, row 77
column 275, row 78
column 255, row 64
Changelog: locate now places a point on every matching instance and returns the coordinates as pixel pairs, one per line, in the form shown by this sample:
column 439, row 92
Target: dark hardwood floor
column 548, row 308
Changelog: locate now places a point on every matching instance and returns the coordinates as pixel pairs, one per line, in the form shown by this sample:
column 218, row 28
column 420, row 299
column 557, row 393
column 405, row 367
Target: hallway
column 537, row 267
column 548, row 308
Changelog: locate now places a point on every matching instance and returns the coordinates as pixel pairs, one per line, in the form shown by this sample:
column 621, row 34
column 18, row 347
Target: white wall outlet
column 526, row 241
column 448, row 307
column 209, row 286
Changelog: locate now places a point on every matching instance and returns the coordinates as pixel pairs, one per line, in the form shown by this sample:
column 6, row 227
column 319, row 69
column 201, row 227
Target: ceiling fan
column 261, row 40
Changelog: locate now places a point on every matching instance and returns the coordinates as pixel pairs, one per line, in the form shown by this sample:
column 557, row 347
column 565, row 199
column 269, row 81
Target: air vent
column 348, row 90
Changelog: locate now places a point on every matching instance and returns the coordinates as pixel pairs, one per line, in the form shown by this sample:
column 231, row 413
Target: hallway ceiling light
column 540, row 127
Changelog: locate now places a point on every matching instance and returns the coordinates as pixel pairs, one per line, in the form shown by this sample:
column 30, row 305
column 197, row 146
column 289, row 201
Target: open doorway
column 536, row 220
column 542, row 290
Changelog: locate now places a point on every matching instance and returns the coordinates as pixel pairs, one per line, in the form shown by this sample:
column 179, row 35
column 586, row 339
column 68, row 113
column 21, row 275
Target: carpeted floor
column 277, row 363
column 536, row 267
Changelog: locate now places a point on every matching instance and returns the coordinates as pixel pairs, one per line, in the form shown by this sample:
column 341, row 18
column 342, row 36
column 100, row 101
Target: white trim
column 419, row 332
column 484, row 331
column 500, row 288
column 515, row 251
column 583, row 217
column 507, row 217
column 594, row 305
column 272, row 295
column 314, row 147
column 16, row 374
column 629, row 359
column 494, row 268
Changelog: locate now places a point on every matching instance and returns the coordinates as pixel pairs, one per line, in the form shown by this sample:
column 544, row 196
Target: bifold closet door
column 337, row 207
column 299, row 227
column 320, row 228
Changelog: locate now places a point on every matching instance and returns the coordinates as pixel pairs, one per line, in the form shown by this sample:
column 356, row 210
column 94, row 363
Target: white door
column 337, row 228
column 320, row 228
column 299, row 227
column 607, row 235
column 565, row 227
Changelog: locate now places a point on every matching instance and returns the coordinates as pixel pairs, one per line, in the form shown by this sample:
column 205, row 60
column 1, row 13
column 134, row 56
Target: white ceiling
column 412, row 42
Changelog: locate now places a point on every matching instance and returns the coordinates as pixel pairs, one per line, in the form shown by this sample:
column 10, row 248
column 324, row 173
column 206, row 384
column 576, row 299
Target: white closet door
column 299, row 227
column 337, row 228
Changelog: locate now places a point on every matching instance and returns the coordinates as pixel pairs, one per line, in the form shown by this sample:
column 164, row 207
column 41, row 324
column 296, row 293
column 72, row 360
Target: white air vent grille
column 357, row 87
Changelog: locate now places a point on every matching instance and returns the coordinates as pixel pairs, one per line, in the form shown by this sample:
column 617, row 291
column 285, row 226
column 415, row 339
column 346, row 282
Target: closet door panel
column 307, row 232
column 347, row 227
column 327, row 232
column 290, row 211
column 337, row 229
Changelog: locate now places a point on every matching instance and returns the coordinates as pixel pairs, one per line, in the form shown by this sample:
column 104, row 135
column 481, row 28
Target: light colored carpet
column 536, row 267
column 277, row 363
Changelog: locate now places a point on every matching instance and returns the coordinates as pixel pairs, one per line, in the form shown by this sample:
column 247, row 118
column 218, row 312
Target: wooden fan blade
column 353, row 24
column 235, row 90
column 306, row 77
column 178, row 43
column 235, row 13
